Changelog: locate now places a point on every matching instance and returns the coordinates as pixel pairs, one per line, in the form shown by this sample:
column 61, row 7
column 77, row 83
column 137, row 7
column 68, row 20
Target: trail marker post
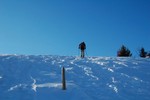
column 63, row 79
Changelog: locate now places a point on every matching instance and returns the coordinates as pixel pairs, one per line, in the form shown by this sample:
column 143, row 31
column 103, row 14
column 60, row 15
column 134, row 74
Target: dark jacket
column 82, row 46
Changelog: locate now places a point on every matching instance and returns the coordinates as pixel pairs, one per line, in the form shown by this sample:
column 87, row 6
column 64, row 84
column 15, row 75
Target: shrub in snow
column 143, row 53
column 124, row 52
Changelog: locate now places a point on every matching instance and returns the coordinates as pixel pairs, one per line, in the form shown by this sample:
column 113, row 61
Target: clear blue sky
column 56, row 27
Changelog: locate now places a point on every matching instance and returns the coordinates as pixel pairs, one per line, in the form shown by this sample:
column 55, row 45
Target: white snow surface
column 30, row 77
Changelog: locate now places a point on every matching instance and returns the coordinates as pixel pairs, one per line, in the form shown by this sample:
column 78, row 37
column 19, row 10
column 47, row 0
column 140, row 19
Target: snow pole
column 78, row 52
column 63, row 79
column 86, row 53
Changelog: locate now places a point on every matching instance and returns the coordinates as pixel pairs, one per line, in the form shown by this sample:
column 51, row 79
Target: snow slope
column 93, row 78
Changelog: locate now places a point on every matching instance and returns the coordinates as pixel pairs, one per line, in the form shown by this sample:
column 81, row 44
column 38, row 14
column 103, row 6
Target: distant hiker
column 82, row 47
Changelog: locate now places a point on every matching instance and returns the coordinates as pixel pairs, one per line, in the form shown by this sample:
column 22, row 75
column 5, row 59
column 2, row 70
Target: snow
column 30, row 77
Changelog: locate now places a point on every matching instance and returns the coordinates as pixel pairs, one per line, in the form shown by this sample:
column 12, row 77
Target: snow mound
column 29, row 77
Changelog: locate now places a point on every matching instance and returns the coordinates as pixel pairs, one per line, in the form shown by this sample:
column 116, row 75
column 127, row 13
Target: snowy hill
column 92, row 78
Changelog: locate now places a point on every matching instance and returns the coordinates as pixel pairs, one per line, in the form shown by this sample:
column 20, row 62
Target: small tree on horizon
column 143, row 53
column 124, row 52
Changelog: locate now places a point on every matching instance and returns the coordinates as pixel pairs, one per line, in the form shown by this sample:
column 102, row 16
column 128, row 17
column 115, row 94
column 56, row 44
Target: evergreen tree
column 124, row 52
column 143, row 53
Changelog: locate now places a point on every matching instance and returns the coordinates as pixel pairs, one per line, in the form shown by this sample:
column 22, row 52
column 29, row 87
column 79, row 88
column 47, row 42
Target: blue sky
column 56, row 27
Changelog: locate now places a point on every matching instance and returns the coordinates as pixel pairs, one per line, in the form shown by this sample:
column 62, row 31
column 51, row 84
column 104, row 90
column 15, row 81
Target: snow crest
column 29, row 77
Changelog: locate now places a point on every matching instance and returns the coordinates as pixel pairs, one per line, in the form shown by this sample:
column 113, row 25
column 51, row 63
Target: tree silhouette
column 143, row 54
column 124, row 52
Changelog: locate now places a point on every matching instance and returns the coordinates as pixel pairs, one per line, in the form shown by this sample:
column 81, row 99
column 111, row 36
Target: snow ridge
column 30, row 77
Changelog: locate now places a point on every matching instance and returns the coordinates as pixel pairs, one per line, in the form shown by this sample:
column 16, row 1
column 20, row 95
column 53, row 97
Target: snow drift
column 93, row 78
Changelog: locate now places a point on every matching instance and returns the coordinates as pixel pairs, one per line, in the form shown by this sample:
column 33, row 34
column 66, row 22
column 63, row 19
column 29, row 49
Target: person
column 82, row 47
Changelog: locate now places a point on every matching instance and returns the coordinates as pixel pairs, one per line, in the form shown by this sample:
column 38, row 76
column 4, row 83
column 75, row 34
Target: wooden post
column 63, row 79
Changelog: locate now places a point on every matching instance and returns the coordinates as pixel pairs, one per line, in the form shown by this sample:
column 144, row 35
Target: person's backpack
column 82, row 46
